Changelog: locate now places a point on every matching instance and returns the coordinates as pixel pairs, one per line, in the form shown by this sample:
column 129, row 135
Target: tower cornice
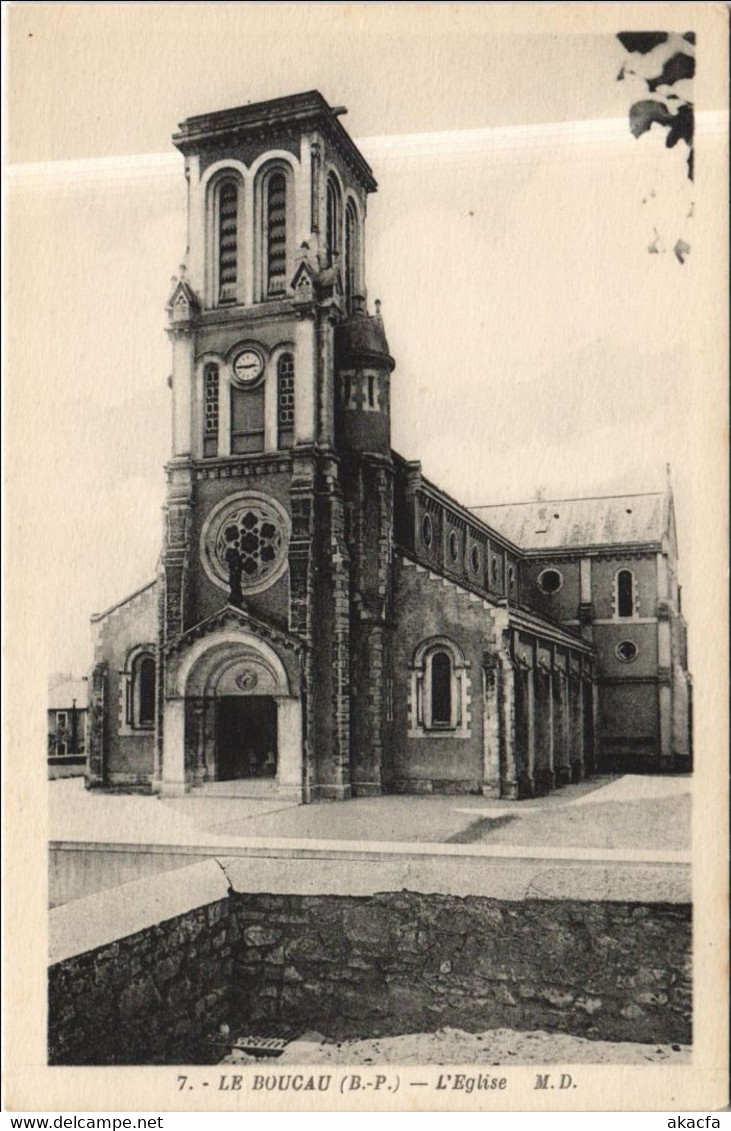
column 305, row 111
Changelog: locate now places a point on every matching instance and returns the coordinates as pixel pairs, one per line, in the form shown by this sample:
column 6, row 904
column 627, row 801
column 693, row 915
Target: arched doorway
column 240, row 699
column 230, row 718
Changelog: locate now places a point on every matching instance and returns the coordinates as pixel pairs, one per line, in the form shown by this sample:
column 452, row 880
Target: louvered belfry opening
column 210, row 424
column 276, row 234
column 227, row 241
column 285, row 400
column 350, row 256
column 332, row 221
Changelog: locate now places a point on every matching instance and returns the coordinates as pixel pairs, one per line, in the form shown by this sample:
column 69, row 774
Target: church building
column 325, row 622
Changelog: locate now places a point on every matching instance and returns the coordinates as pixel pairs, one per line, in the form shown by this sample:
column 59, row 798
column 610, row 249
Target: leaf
column 642, row 41
column 678, row 66
column 644, row 114
column 681, row 126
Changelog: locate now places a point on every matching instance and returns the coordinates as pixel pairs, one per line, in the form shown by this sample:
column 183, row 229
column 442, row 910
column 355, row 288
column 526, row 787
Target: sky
column 539, row 344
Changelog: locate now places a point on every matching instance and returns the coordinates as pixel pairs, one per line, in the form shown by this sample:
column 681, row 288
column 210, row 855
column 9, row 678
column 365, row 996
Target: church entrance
column 246, row 737
column 232, row 726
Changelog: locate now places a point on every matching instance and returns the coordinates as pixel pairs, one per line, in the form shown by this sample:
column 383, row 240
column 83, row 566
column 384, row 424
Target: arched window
column 351, row 255
column 439, row 702
column 625, row 593
column 441, row 689
column 210, row 410
column 285, row 400
column 276, row 234
column 146, row 691
column 227, row 236
column 139, row 685
column 332, row 223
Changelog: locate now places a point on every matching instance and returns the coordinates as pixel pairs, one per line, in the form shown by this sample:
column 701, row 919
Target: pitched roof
column 553, row 524
column 61, row 696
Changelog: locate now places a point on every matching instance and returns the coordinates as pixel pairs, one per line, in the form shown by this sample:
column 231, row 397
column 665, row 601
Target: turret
column 363, row 367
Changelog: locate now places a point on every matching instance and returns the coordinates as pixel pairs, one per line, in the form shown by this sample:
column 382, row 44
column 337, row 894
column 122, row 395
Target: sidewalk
column 642, row 814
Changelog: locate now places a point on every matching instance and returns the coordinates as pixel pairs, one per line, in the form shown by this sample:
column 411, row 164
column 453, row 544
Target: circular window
column 453, row 546
column 475, row 559
column 550, row 581
column 247, row 532
column 626, row 651
column 426, row 531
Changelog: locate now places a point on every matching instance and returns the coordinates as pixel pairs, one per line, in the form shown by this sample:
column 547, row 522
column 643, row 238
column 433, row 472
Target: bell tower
column 269, row 328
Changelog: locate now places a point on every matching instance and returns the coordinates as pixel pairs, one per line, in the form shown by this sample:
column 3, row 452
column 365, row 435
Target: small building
column 67, row 716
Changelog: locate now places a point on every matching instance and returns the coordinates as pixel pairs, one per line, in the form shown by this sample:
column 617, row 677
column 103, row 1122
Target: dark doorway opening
column 246, row 739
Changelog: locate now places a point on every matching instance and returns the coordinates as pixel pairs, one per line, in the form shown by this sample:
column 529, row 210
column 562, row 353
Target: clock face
column 248, row 367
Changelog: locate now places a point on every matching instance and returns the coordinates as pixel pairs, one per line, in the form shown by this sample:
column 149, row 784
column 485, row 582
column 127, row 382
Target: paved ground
column 609, row 812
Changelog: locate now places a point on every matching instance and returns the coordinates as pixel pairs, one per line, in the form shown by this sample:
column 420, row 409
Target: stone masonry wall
column 403, row 962
column 150, row 998
column 395, row 962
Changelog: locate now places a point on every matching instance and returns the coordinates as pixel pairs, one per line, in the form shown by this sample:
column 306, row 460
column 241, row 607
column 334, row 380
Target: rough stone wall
column 396, row 962
column 404, row 962
column 150, row 998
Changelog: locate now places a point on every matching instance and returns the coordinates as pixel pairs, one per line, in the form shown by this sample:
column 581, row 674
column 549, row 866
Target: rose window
column 247, row 535
column 257, row 540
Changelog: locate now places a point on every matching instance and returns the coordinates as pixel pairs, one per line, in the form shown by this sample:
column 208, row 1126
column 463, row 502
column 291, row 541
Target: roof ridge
column 568, row 499
column 125, row 600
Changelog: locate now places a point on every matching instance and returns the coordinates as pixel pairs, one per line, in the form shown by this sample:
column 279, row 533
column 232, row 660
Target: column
column 575, row 737
column 325, row 381
column 271, row 391
column 507, row 706
column 579, row 767
column 531, row 732
column 199, row 773
column 289, row 748
column 543, row 770
column 491, row 725
column 304, row 193
column 183, row 370
column 96, row 768
column 224, row 412
column 524, row 728
column 665, row 695
column 305, row 391
column 561, row 730
column 587, row 703
column 195, row 258
column 173, row 749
